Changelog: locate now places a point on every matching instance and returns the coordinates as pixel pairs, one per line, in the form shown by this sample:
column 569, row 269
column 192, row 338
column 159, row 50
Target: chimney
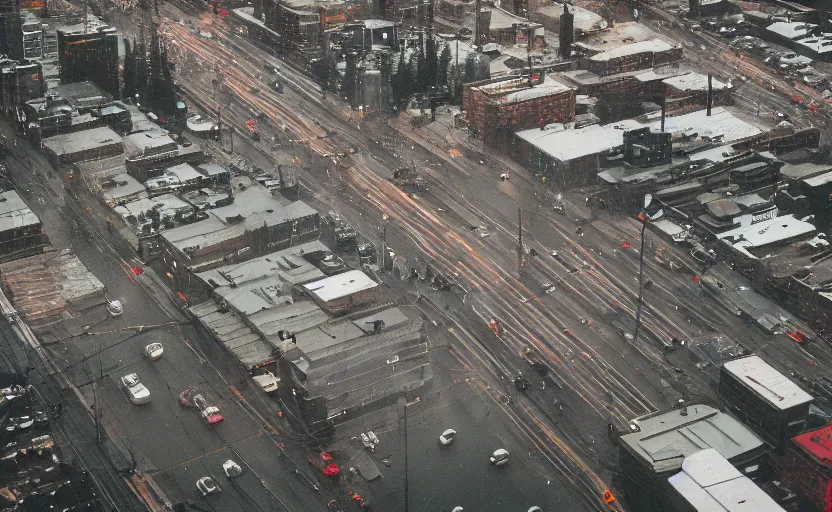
column 664, row 109
column 693, row 9
column 710, row 92
column 477, row 25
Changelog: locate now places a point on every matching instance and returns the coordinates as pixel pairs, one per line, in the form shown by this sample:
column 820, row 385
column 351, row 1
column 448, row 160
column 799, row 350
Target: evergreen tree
column 332, row 73
column 419, row 70
column 444, row 65
column 154, row 73
column 167, row 92
column 350, row 79
column 129, row 90
column 431, row 64
column 140, row 56
column 402, row 80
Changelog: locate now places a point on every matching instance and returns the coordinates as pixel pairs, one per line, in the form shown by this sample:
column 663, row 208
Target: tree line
column 147, row 74
column 425, row 70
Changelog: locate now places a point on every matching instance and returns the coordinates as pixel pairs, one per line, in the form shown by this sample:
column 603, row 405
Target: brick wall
column 495, row 121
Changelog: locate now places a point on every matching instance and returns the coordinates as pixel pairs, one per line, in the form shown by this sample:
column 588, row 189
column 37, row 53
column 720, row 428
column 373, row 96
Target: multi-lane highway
column 598, row 375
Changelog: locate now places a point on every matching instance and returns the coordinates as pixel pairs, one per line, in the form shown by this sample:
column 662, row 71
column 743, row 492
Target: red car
column 192, row 397
column 325, row 463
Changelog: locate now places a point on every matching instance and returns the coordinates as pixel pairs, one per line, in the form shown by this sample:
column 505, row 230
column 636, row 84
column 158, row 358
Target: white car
column 447, row 437
column 499, row 457
column 207, row 486
column 114, row 307
column 231, row 468
column 136, row 391
column 154, row 351
column 535, row 509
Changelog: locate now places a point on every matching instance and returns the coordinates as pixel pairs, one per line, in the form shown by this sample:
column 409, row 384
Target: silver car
column 136, row 391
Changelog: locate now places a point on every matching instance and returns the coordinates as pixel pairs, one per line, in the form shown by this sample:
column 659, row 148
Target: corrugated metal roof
column 666, row 438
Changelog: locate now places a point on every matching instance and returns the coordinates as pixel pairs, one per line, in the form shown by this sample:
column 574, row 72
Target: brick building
column 497, row 108
column 633, row 57
column 807, row 469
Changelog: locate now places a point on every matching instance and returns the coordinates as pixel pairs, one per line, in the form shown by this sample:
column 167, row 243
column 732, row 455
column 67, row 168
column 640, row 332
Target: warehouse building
column 654, row 452
column 764, row 399
column 74, row 147
column 647, row 54
column 497, row 108
column 21, row 233
column 255, row 224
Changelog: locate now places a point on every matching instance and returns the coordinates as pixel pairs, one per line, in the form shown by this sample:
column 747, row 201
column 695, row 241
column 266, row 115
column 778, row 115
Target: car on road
column 334, row 506
column 499, row 457
column 114, row 307
column 192, row 397
column 136, row 391
column 277, row 86
column 207, row 486
column 325, row 464
column 231, row 468
column 535, row 509
column 41, row 419
column 447, row 437
column 154, row 351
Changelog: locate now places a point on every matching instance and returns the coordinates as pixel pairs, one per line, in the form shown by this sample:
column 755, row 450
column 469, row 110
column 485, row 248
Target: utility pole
column 520, row 243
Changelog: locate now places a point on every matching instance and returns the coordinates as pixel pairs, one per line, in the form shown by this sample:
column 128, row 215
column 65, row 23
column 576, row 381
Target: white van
column 267, row 381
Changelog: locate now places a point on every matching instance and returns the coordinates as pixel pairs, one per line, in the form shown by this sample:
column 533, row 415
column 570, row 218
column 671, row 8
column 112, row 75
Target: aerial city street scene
column 416, row 255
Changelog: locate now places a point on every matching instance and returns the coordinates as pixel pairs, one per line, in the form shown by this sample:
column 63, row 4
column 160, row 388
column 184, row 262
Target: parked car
column 41, row 419
column 19, row 424
column 231, row 468
column 499, row 457
column 207, row 486
column 447, row 437
column 136, row 391
column 154, row 351
column 114, row 307
column 267, row 381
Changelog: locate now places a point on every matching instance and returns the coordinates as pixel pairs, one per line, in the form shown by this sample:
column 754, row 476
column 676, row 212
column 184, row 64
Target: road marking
column 218, row 450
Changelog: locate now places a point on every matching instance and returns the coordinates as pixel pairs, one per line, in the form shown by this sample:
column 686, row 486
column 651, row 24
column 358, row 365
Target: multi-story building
column 89, row 52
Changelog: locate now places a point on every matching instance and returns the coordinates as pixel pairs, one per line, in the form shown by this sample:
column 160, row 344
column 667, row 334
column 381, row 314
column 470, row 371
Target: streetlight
column 645, row 219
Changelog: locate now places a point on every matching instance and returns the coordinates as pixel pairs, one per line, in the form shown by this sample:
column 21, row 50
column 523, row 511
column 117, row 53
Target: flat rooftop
column 817, row 444
column 288, row 264
column 648, row 46
column 255, row 206
column 14, row 213
column 709, row 483
column 765, row 233
column 568, row 144
column 792, row 29
column 340, row 285
column 693, row 81
column 666, row 438
column 614, row 37
column 76, row 142
column 766, row 382
column 516, row 89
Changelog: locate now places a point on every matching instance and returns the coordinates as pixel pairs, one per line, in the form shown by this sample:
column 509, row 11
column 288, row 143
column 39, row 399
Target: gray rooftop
column 693, row 82
column 765, row 233
column 76, row 142
column 14, row 213
column 709, row 483
column 288, row 264
column 148, row 143
column 297, row 317
column 255, row 205
column 340, row 285
column 247, row 346
column 567, row 145
column 128, row 186
column 666, row 438
column 766, row 382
